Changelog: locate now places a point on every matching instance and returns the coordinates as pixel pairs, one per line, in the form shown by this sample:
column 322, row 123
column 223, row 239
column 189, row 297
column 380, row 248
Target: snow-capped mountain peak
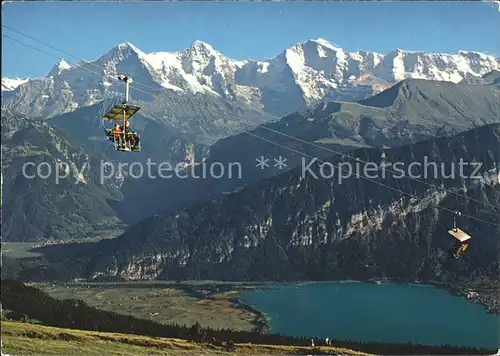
column 201, row 53
column 471, row 53
column 326, row 43
column 120, row 52
column 301, row 75
column 10, row 84
column 200, row 46
column 61, row 66
column 124, row 47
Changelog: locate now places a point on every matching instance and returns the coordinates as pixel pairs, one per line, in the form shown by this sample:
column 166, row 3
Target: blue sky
column 241, row 30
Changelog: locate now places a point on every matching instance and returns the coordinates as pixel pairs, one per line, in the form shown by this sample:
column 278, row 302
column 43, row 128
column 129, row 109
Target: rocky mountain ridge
column 298, row 227
column 51, row 187
column 411, row 111
column 296, row 78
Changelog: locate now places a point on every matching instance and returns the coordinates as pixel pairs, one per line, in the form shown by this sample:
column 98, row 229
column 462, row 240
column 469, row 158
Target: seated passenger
column 116, row 135
column 458, row 249
column 132, row 136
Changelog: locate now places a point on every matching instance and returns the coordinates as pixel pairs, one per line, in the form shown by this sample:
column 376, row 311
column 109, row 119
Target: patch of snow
column 167, row 85
column 263, row 68
column 194, row 85
column 325, row 43
column 295, row 58
column 11, row 84
column 162, row 61
column 61, row 66
column 64, row 65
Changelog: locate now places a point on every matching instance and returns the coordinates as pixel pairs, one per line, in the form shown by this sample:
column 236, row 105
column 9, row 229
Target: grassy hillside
column 30, row 339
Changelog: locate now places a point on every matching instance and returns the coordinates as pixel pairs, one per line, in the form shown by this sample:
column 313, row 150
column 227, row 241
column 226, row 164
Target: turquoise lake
column 381, row 313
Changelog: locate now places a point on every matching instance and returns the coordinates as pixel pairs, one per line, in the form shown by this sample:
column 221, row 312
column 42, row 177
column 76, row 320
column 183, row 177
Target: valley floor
column 31, row 339
column 211, row 305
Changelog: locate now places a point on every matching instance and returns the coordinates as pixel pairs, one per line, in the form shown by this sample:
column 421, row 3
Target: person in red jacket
column 116, row 135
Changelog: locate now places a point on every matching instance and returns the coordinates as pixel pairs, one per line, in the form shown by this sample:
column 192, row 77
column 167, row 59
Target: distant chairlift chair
column 461, row 236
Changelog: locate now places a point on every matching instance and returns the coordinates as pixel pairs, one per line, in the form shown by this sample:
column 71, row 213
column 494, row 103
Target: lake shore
column 487, row 296
column 261, row 321
column 308, row 326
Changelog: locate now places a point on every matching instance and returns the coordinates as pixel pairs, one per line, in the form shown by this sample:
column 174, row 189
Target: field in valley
column 18, row 250
column 161, row 303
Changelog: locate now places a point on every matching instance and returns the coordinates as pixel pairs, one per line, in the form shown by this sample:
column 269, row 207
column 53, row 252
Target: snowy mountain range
column 10, row 84
column 301, row 75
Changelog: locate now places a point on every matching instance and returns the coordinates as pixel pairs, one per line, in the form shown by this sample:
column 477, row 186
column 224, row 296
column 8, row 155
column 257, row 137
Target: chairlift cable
column 64, row 52
column 306, row 155
column 74, row 65
column 371, row 180
column 252, row 124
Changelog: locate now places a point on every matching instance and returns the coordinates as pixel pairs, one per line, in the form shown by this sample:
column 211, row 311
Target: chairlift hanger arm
column 127, row 80
column 122, row 109
column 455, row 215
column 457, row 233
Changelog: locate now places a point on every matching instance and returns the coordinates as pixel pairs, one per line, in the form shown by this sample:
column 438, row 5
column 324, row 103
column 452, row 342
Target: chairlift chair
column 123, row 113
column 460, row 235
